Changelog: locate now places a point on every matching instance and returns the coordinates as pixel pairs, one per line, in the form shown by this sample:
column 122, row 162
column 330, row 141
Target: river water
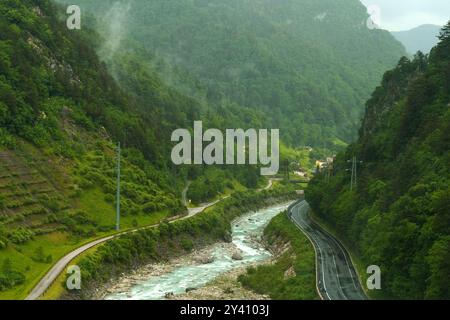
column 247, row 231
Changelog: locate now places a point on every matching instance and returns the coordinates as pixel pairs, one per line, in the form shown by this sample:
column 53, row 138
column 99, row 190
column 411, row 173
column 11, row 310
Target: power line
column 354, row 170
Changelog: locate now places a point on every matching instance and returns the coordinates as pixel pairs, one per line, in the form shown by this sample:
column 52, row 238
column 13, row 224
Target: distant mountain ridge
column 422, row 38
column 307, row 65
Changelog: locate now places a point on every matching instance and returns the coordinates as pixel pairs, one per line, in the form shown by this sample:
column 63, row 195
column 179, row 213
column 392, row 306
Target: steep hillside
column 399, row 215
column 308, row 66
column 61, row 117
column 61, row 114
column 422, row 38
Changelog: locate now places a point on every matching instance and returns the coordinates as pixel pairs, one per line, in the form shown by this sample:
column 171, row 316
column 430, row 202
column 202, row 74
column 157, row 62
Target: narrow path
column 270, row 184
column 336, row 275
column 60, row 266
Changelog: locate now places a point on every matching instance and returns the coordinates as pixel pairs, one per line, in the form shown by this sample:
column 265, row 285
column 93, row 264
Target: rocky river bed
column 209, row 273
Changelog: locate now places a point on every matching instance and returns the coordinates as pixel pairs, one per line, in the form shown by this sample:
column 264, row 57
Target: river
column 247, row 232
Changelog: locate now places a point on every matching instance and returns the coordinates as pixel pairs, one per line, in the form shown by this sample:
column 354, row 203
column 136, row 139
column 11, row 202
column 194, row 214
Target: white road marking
column 345, row 257
column 338, row 278
column 315, row 243
column 303, row 229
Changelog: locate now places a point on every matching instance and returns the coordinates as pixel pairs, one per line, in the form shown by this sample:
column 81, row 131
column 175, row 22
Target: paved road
column 336, row 276
column 61, row 265
column 203, row 207
column 270, row 184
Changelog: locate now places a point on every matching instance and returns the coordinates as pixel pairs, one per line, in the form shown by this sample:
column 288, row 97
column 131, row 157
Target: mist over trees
column 306, row 66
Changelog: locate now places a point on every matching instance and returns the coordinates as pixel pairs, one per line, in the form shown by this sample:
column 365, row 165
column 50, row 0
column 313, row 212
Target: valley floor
column 226, row 286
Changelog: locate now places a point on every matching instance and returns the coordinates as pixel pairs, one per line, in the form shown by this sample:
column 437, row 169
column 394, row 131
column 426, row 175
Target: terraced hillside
column 51, row 204
column 31, row 191
column 61, row 115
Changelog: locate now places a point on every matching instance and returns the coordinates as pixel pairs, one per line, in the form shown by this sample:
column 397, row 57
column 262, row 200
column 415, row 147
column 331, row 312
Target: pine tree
column 445, row 32
column 442, row 50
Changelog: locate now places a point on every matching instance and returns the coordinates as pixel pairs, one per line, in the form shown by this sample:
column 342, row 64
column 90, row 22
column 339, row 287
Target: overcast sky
column 396, row 15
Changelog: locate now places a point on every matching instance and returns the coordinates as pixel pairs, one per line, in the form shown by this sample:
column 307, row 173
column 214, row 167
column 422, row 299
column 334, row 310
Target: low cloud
column 397, row 15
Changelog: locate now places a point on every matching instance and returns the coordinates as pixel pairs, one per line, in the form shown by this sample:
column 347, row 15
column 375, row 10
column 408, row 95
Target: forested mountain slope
column 399, row 215
column 307, row 65
column 61, row 115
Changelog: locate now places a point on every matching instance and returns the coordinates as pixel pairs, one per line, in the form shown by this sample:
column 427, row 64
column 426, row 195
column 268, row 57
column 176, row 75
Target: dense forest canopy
column 307, row 66
column 399, row 215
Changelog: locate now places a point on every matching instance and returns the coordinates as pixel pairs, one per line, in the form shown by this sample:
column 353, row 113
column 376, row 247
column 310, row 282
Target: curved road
column 336, row 276
column 59, row 267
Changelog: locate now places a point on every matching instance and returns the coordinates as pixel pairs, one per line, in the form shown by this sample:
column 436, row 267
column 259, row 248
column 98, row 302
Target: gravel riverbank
column 208, row 273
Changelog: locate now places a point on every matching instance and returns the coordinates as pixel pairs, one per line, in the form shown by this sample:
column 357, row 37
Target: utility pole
column 353, row 177
column 328, row 176
column 354, row 170
column 288, row 169
column 286, row 164
column 118, row 190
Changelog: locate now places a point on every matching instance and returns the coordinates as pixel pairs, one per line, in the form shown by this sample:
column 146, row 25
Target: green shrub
column 110, row 198
column 52, row 218
column 187, row 244
column 39, row 255
column 2, row 202
column 20, row 235
column 10, row 278
column 149, row 207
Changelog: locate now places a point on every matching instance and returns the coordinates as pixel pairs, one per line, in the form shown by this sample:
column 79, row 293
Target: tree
column 443, row 49
column 6, row 266
column 439, row 261
column 445, row 32
column 39, row 255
